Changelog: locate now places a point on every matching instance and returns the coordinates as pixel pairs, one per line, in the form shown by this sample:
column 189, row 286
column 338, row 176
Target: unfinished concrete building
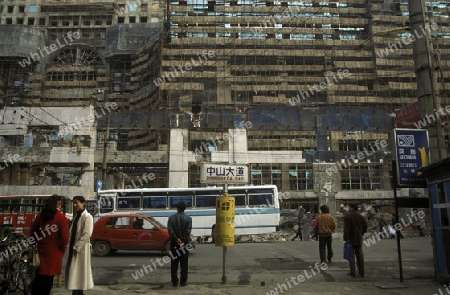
column 292, row 88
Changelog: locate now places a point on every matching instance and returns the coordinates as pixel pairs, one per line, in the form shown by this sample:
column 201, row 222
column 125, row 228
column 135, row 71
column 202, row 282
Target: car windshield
column 157, row 222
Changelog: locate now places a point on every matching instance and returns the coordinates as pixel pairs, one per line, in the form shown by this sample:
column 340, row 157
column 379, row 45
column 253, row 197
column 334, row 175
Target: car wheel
column 167, row 248
column 101, row 248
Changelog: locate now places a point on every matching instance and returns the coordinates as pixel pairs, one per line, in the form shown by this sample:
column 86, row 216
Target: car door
column 118, row 232
column 147, row 234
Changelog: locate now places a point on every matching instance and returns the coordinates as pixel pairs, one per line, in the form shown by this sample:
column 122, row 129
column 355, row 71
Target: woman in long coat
column 50, row 231
column 78, row 267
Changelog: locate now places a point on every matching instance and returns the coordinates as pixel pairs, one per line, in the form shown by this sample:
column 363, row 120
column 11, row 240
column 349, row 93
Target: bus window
column 4, row 205
column 260, row 199
column 174, row 200
column 28, row 206
column 239, row 195
column 106, row 204
column 239, row 200
column 154, row 202
column 205, row 201
column 92, row 206
column 129, row 202
column 15, row 205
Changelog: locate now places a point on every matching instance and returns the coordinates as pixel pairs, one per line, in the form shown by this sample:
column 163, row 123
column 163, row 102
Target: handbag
column 348, row 252
column 35, row 258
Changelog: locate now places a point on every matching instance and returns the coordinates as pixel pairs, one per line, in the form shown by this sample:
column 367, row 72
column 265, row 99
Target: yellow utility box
column 225, row 221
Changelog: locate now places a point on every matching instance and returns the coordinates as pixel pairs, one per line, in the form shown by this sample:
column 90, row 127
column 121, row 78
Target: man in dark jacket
column 355, row 226
column 179, row 226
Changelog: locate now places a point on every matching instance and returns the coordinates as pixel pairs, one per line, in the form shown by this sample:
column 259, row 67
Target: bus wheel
column 167, row 248
column 101, row 248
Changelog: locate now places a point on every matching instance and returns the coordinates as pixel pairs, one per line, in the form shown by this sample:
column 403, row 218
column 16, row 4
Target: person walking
column 343, row 210
column 300, row 215
column 355, row 226
column 312, row 225
column 325, row 225
column 78, row 267
column 420, row 224
column 382, row 224
column 179, row 226
column 298, row 233
column 51, row 231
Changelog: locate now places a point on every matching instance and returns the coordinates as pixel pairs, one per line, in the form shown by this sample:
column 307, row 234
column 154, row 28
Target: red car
column 129, row 232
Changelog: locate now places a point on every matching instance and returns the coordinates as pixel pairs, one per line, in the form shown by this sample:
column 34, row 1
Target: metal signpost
column 225, row 205
column 411, row 154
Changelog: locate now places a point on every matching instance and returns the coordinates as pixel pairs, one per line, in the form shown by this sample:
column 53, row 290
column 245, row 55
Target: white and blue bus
column 257, row 208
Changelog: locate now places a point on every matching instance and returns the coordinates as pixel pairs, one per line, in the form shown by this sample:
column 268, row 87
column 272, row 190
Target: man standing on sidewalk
column 325, row 225
column 179, row 226
column 355, row 226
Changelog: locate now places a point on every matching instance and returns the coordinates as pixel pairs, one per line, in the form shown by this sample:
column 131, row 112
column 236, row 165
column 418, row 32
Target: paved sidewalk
column 258, row 275
column 359, row 286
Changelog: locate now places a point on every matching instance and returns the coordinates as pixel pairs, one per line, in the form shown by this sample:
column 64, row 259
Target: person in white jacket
column 78, row 266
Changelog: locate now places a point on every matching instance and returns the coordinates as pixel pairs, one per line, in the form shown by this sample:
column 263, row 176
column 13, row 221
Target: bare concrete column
column 237, row 146
column 285, row 185
column 326, row 184
column 178, row 158
column 426, row 74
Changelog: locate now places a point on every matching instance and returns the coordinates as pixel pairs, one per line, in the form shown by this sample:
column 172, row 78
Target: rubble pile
column 289, row 219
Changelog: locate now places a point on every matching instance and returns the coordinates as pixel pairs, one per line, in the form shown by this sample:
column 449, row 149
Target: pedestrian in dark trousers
column 301, row 213
column 179, row 226
column 299, row 233
column 325, row 225
column 355, row 226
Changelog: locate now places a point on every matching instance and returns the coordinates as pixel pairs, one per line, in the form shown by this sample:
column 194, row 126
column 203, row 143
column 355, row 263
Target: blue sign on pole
column 412, row 153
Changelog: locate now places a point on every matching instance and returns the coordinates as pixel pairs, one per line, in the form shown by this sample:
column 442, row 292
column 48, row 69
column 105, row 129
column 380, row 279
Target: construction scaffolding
column 320, row 79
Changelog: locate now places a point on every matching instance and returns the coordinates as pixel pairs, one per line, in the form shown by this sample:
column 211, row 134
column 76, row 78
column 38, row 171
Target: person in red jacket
column 50, row 231
column 312, row 225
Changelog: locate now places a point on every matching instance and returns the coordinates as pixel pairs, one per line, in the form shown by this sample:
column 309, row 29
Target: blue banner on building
column 412, row 153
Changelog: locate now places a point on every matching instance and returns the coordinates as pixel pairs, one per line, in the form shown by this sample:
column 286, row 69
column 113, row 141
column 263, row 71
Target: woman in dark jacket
column 50, row 231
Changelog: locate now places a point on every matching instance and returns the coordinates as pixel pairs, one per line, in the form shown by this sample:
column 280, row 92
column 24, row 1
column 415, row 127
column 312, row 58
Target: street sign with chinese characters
column 224, row 173
column 412, row 153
